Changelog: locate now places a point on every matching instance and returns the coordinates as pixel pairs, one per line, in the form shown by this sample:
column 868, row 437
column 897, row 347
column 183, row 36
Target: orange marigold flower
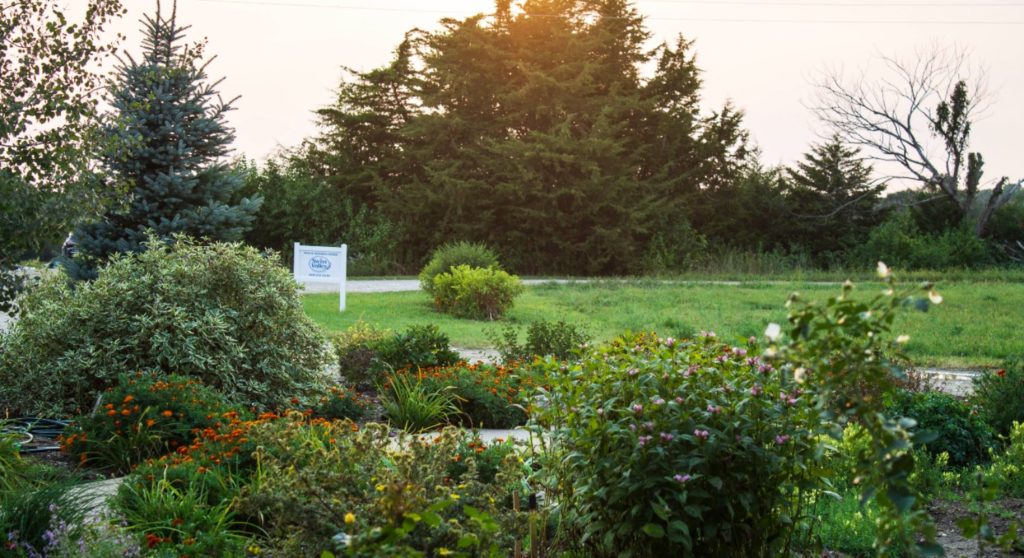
column 128, row 398
column 168, row 413
column 111, row 413
column 150, row 422
column 126, row 412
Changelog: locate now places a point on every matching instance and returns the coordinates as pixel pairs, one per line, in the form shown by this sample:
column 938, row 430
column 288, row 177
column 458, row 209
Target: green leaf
column 653, row 530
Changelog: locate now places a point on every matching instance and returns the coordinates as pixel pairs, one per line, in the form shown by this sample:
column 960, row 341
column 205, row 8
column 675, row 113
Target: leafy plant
column 997, row 395
column 416, row 347
column 957, row 429
column 487, row 396
column 723, row 447
column 477, row 293
column 454, row 254
column 543, row 338
column 356, row 352
column 181, row 518
column 341, row 404
column 33, row 500
column 416, row 406
column 142, row 417
column 1008, row 466
column 220, row 313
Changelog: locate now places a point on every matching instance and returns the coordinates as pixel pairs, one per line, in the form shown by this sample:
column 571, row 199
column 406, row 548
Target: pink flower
column 755, row 390
column 701, row 434
column 666, row 437
column 714, row 410
column 679, row 400
column 781, row 439
column 682, row 479
column 658, row 401
column 642, row 440
column 669, row 342
column 638, row 408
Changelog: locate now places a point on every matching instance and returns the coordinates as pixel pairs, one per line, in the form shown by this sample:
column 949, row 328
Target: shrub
column 722, row 448
column 900, row 242
column 486, row 396
column 356, row 352
column 416, row 347
column 707, row 433
column 452, row 255
column 957, row 428
column 998, row 395
column 220, row 313
column 477, row 293
column 543, row 338
column 143, row 416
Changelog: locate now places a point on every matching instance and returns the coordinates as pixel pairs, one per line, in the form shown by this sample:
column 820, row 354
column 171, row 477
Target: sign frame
column 322, row 264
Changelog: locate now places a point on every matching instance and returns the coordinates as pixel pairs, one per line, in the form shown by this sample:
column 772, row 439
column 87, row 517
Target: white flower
column 902, row 339
column 883, row 270
column 935, row 297
column 799, row 375
column 773, row 332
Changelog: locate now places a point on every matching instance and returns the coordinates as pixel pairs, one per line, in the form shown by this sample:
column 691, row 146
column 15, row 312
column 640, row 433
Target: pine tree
column 168, row 142
column 832, row 198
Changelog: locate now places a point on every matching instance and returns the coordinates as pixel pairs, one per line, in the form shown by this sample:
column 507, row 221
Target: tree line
column 549, row 130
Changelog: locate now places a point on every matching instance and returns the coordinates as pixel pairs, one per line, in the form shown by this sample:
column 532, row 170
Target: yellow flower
column 455, row 496
column 380, row 488
column 350, row 518
column 444, row 551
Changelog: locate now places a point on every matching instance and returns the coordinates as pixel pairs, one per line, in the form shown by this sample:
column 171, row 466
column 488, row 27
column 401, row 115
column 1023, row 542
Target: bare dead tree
column 918, row 115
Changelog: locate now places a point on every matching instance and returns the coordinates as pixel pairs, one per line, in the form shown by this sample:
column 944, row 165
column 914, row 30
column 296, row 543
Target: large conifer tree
column 167, row 146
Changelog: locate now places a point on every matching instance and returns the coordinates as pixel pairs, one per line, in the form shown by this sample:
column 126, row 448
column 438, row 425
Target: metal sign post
column 322, row 264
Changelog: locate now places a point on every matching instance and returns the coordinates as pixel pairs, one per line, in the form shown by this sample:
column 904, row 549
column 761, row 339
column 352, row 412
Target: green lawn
column 979, row 324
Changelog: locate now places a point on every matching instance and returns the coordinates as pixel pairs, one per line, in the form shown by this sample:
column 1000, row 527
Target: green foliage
column 301, row 207
column 543, row 338
column 220, row 313
column 415, row 406
column 846, row 525
column 48, row 100
column 958, row 430
column 539, row 136
column 997, row 396
column 833, row 201
column 143, row 416
column 454, row 254
column 169, row 138
column 899, row 241
column 476, row 293
column 180, row 518
column 715, row 442
column 485, row 395
column 356, row 352
column 341, row 404
column 37, row 503
column 1008, row 467
column 416, row 347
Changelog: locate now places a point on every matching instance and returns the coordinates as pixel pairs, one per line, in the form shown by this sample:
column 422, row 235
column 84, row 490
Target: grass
column 977, row 325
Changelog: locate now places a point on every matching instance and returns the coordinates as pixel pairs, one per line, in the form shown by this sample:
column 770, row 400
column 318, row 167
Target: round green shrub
column 356, row 353
column 220, row 313
column 474, row 292
column 669, row 448
column 1000, row 396
column 959, row 431
column 455, row 254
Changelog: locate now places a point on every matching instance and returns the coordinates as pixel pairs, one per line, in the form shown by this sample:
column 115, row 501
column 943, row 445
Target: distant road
column 400, row 285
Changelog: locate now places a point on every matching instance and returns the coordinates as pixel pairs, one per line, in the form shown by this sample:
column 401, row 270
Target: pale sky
column 284, row 57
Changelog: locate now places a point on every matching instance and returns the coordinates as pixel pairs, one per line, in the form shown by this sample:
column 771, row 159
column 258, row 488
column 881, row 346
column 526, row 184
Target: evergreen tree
column 533, row 131
column 832, row 199
column 169, row 140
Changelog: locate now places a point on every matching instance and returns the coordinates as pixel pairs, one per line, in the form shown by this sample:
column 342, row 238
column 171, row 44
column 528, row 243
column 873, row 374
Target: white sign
column 322, row 264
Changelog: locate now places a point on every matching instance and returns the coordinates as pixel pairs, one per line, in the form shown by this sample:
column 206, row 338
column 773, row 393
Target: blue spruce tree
column 168, row 144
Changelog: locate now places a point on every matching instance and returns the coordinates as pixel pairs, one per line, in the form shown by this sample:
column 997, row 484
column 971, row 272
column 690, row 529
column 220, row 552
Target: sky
column 285, row 57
